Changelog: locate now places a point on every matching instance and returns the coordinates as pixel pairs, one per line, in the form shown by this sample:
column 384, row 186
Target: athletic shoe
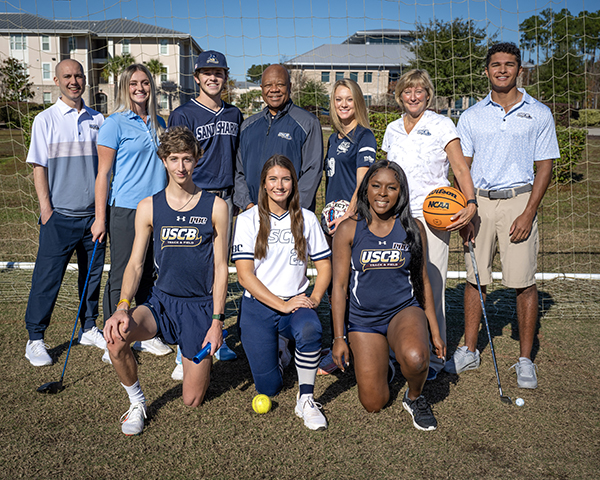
column 420, row 411
column 285, row 357
column 432, row 374
column 526, row 377
column 391, row 371
column 326, row 365
column 155, row 346
column 177, row 372
column 92, row 337
column 308, row 410
column 106, row 357
column 225, row 353
column 462, row 360
column 36, row 353
column 133, row 419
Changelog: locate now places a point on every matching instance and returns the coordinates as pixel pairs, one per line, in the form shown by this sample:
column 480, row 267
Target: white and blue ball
column 520, row 402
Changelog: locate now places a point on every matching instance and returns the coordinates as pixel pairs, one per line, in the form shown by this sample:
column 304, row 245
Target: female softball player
column 271, row 246
column 391, row 303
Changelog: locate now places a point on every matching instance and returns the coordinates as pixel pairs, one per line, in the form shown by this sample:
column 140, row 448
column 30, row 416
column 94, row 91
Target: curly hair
column 503, row 47
column 178, row 139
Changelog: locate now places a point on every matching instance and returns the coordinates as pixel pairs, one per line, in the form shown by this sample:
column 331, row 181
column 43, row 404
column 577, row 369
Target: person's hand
column 521, row 227
column 439, row 347
column 299, row 301
column 45, row 215
column 98, row 230
column 468, row 233
column 340, row 353
column 462, row 218
column 116, row 326
column 215, row 337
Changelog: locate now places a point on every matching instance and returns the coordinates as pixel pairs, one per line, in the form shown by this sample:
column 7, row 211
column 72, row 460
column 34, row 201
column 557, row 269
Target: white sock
column 135, row 393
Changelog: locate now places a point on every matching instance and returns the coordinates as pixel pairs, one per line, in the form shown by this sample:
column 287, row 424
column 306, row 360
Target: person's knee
column 193, row 399
column 311, row 332
column 416, row 360
column 374, row 401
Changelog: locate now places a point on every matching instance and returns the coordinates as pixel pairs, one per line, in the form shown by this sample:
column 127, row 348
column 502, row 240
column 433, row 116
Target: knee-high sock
column 306, row 366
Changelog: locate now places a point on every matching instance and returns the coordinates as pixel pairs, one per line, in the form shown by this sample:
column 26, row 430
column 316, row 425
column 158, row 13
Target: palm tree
column 155, row 67
column 115, row 66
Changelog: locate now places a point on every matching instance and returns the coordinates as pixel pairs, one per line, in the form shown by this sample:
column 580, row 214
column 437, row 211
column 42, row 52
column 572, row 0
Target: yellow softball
column 261, row 404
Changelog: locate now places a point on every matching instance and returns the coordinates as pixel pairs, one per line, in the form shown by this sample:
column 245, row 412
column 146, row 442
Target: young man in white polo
column 502, row 137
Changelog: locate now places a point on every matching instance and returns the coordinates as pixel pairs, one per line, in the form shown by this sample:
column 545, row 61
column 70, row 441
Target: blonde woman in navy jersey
column 187, row 303
column 391, row 303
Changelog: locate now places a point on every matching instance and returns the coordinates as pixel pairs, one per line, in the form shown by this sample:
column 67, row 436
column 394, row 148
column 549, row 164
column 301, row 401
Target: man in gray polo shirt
column 502, row 137
column 65, row 162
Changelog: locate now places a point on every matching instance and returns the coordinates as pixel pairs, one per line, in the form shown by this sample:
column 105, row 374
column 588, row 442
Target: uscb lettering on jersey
column 381, row 258
column 281, row 236
column 179, row 237
column 220, row 128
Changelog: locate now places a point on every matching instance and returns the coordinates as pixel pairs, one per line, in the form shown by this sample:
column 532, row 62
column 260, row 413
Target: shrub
column 379, row 122
column 571, row 142
column 588, row 118
column 564, row 113
column 12, row 113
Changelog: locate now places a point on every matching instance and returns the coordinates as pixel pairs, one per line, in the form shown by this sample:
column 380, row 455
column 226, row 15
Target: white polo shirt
column 280, row 271
column 64, row 141
column 421, row 154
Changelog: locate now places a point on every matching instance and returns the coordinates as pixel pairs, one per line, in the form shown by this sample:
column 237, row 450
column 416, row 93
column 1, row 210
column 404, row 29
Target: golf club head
column 505, row 399
column 51, row 387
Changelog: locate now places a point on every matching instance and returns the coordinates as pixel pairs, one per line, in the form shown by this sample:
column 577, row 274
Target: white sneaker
column 177, row 372
column 106, row 357
column 155, row 346
column 308, row 410
column 92, row 337
column 36, row 353
column 133, row 419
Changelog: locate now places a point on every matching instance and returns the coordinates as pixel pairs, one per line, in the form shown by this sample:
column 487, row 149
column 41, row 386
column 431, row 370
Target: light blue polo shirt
column 503, row 145
column 137, row 171
column 64, row 141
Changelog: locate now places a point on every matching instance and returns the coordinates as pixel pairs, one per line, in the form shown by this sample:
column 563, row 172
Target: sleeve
column 386, row 143
column 109, row 133
column 546, row 144
column 161, row 121
column 317, row 246
column 176, row 119
column 464, row 133
column 367, row 150
column 38, row 148
column 448, row 132
column 244, row 237
column 312, row 164
column 241, row 194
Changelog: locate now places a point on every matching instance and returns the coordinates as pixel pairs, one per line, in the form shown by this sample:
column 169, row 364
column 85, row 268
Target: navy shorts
column 181, row 321
column 382, row 324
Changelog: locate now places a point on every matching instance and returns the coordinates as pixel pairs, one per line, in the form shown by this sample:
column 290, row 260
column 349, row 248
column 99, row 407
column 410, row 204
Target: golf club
column 55, row 387
column 503, row 397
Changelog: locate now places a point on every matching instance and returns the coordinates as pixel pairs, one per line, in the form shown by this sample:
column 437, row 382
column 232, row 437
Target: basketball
column 441, row 204
column 331, row 211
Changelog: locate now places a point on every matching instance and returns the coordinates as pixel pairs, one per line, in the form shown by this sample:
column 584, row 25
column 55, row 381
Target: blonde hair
column 124, row 102
column 414, row 78
column 360, row 108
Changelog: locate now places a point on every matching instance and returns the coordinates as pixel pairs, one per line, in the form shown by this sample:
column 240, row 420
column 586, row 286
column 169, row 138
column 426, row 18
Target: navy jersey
column 380, row 279
column 344, row 157
column 183, row 245
column 218, row 134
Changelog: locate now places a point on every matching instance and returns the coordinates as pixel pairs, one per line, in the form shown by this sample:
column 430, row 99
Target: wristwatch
column 472, row 201
column 219, row 316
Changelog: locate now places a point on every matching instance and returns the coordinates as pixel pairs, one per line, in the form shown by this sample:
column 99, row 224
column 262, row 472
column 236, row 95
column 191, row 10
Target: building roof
column 373, row 57
column 121, row 27
column 361, row 36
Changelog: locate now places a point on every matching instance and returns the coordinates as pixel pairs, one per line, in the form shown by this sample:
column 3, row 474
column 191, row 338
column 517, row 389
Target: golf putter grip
column 205, row 351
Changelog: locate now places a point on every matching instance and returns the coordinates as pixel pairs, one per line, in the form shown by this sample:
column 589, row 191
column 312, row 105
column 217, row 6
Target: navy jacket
column 293, row 132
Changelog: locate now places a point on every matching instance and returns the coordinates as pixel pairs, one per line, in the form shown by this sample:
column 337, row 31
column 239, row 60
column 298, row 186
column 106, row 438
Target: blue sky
column 265, row 31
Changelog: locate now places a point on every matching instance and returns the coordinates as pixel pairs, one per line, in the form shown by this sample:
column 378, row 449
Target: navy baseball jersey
column 344, row 157
column 380, row 279
column 218, row 134
column 184, row 242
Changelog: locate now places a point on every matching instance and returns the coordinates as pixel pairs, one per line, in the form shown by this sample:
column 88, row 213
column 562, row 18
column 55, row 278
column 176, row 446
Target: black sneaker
column 421, row 413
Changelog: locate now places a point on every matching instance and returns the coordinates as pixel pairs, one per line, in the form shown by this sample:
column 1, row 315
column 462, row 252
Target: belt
column 222, row 192
column 503, row 194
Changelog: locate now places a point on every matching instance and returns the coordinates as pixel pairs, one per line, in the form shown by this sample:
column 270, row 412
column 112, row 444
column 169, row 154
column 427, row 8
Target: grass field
column 76, row 434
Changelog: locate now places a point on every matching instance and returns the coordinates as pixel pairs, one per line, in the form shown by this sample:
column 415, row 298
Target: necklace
column 510, row 104
column 186, row 203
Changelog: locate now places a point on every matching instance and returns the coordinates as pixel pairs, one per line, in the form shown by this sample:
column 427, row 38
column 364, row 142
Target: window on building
column 354, row 76
column 164, row 44
column 339, row 76
column 72, row 44
column 18, row 42
column 368, row 77
column 46, row 71
column 45, row 43
column 163, row 101
column 368, row 99
column 164, row 75
column 47, row 98
column 325, row 77
column 126, row 46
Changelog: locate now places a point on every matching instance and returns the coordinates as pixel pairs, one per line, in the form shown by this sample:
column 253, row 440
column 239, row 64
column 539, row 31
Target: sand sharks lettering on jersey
column 179, row 237
column 223, row 127
column 372, row 258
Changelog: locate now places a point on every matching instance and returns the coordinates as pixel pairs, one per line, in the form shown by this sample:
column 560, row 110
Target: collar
column 526, row 98
column 286, row 108
column 64, row 108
